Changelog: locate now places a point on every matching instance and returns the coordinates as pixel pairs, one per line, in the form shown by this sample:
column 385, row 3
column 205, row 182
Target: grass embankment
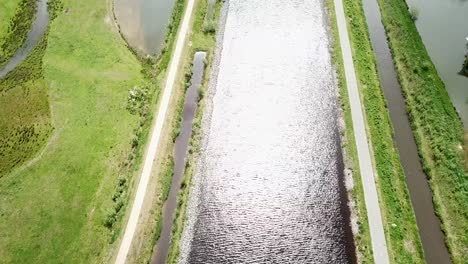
column 17, row 17
column 436, row 125
column 54, row 210
column 203, row 38
column 398, row 218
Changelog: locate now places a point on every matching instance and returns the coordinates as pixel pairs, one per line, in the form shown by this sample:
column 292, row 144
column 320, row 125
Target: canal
column 430, row 231
column 269, row 185
column 143, row 23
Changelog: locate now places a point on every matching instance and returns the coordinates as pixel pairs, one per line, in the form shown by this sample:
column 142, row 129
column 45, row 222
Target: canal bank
column 399, row 222
column 430, row 231
column 252, row 182
column 441, row 25
column 435, row 123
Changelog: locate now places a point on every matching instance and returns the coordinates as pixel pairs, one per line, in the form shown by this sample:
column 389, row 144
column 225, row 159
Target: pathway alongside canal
column 379, row 245
column 38, row 29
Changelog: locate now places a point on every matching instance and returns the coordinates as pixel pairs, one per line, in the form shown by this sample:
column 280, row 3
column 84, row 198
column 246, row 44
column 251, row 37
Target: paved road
column 379, row 245
column 155, row 136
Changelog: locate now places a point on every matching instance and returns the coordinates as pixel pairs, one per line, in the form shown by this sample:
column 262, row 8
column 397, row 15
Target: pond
column 143, row 23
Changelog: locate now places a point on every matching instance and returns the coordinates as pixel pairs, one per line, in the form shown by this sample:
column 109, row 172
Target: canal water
column 143, row 23
column 38, row 29
column 269, row 184
column 180, row 150
column 430, row 232
column 442, row 25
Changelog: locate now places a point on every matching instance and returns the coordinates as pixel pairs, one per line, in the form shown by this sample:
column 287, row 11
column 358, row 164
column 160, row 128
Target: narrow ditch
column 432, row 238
column 180, row 150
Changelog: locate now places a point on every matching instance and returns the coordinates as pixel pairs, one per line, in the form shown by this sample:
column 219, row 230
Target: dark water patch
column 180, row 150
column 269, row 184
column 430, row 231
column 38, row 29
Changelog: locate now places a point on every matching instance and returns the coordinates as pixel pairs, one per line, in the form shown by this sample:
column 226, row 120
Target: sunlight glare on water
column 269, row 183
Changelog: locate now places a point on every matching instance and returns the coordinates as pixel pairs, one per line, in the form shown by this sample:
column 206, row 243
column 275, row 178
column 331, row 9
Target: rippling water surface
column 269, row 184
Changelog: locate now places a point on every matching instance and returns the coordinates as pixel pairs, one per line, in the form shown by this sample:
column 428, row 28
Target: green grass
column 53, row 211
column 201, row 41
column 398, row 218
column 16, row 19
column 436, row 126
column 7, row 11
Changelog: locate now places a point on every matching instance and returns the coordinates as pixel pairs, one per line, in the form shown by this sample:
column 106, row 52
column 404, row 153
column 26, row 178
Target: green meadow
column 67, row 103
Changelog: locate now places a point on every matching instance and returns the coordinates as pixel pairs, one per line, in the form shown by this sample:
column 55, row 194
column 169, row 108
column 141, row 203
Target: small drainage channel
column 38, row 29
column 433, row 242
column 180, row 151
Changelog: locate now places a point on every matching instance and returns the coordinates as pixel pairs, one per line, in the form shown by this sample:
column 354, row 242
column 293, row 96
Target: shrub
column 414, row 12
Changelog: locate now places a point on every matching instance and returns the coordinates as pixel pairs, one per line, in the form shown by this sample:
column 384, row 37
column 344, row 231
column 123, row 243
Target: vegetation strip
column 399, row 223
column 15, row 35
column 437, row 128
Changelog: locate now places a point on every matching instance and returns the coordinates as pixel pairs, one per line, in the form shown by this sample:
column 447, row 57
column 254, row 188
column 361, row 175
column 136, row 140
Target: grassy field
column 398, row 218
column 16, row 20
column 23, row 132
column 7, row 11
column 54, row 210
column 436, row 126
